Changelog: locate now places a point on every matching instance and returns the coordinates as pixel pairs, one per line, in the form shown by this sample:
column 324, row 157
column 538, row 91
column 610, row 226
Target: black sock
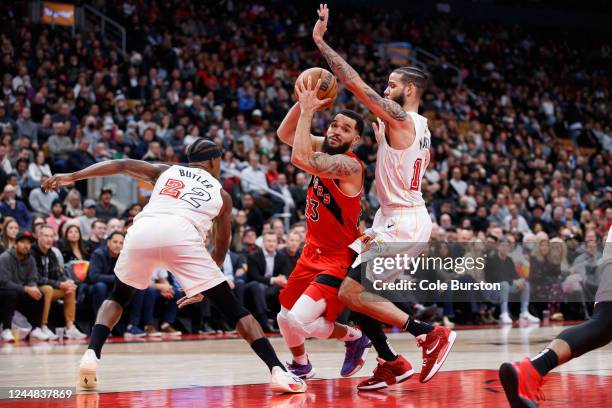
column 266, row 353
column 416, row 327
column 545, row 361
column 373, row 329
column 99, row 334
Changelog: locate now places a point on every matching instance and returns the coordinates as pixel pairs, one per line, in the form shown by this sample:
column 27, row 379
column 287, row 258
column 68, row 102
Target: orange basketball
column 329, row 84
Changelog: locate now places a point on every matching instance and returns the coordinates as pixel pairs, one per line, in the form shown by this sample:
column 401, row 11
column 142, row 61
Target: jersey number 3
column 312, row 209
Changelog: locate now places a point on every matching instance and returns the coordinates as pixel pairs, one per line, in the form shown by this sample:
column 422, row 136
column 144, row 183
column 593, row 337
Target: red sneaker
column 387, row 373
column 436, row 345
column 521, row 383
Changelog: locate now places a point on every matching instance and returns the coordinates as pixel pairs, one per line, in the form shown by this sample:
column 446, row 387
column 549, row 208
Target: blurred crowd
column 521, row 144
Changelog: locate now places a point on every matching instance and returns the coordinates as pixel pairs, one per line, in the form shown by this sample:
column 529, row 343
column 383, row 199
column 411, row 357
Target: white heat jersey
column 184, row 202
column 399, row 172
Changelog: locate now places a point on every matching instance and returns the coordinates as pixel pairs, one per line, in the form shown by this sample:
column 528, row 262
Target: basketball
column 329, row 84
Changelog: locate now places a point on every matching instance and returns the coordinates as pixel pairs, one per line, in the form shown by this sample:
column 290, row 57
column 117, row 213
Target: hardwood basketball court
column 219, row 371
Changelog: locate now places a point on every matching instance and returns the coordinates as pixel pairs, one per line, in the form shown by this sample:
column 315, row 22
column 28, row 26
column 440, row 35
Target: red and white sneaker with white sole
column 387, row 373
column 436, row 345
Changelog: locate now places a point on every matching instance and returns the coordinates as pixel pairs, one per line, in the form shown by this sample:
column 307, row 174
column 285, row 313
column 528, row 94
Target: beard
column 399, row 99
column 342, row 149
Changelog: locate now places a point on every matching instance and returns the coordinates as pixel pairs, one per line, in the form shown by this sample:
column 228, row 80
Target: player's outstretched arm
column 390, row 111
column 136, row 168
column 320, row 164
column 222, row 230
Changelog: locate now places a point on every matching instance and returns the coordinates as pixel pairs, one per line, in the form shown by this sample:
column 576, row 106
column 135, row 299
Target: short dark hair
column 415, row 75
column 203, row 149
column 113, row 234
column 359, row 123
column 93, row 224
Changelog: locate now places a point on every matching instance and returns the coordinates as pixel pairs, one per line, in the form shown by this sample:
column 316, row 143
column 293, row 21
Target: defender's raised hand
column 321, row 26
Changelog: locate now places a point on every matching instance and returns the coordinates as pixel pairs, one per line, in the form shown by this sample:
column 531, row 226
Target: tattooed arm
column 390, row 111
column 286, row 130
column 337, row 166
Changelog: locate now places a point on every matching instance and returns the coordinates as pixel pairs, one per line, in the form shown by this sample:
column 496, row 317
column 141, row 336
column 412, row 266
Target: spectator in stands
column 27, row 127
column 81, row 157
column 254, row 216
column 499, row 268
column 37, row 222
column 73, row 247
column 72, row 204
column 298, row 192
column 586, row 266
column 98, row 234
column 57, row 216
column 267, row 273
column 105, row 210
column 41, row 201
column 10, row 206
column 60, row 146
column 115, row 224
column 10, row 229
column 167, row 296
column 253, row 178
column 54, row 284
column 25, row 182
column 101, row 275
column 18, row 290
column 545, row 277
column 87, row 218
column 292, row 250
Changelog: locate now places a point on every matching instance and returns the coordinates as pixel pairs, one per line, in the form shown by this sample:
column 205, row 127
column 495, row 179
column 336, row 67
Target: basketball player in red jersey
column 403, row 155
column 310, row 304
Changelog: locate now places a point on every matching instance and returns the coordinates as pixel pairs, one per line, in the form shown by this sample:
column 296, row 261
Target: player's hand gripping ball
column 329, row 84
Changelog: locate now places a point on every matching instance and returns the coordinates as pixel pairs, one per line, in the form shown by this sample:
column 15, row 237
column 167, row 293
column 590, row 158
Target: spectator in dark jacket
column 500, row 268
column 14, row 208
column 18, row 290
column 267, row 273
column 105, row 210
column 101, row 273
column 292, row 249
column 54, row 283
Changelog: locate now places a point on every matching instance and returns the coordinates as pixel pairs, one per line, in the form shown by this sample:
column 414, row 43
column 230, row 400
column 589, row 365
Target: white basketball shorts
column 185, row 257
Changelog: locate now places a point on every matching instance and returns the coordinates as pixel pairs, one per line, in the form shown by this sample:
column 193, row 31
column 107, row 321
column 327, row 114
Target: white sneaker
column 529, row 318
column 447, row 323
column 38, row 334
column 49, row 333
column 88, row 370
column 74, row 333
column 283, row 381
column 504, row 318
column 7, row 335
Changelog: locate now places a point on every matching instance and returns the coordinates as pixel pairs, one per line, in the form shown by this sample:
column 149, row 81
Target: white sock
column 351, row 334
column 301, row 360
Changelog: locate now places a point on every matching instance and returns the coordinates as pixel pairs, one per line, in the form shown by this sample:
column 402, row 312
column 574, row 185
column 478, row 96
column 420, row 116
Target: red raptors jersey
column 332, row 217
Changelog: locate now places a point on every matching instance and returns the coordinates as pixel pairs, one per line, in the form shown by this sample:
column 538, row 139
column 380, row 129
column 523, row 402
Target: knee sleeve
column 292, row 337
column 306, row 317
column 321, row 328
column 592, row 334
column 224, row 299
column 122, row 293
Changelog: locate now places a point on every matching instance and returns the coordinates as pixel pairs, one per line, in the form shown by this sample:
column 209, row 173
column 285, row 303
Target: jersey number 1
column 415, row 183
